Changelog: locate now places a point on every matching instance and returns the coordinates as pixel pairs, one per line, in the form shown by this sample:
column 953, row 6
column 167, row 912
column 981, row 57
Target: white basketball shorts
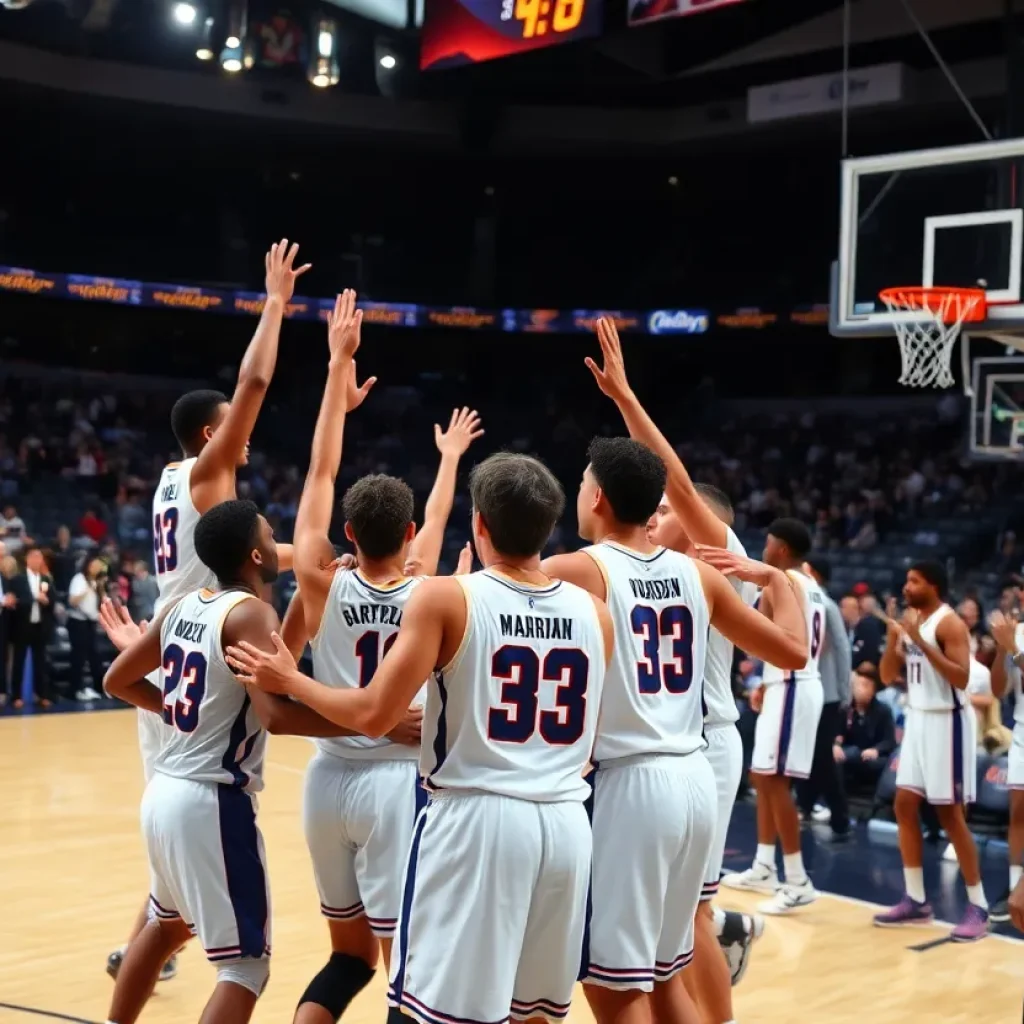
column 207, row 865
column 937, row 757
column 151, row 731
column 493, row 911
column 787, row 729
column 654, row 826
column 1015, row 759
column 358, row 818
column 725, row 755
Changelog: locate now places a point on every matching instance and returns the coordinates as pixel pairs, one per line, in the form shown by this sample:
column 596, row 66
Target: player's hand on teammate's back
column 121, row 630
column 281, row 270
column 1004, row 631
column 270, row 672
column 728, row 563
column 611, row 378
column 463, row 429
column 409, row 729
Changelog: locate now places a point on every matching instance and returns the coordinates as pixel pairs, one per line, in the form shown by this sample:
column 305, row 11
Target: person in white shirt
column 84, row 596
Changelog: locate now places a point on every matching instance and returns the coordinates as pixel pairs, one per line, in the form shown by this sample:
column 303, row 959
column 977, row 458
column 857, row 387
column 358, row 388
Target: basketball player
column 936, row 761
column 1009, row 638
column 790, row 706
column 361, row 795
column 654, row 793
column 207, row 867
column 214, row 439
column 495, row 899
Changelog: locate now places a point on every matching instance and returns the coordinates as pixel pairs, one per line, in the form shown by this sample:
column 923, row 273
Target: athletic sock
column 976, row 895
column 794, row 867
column 913, row 881
column 718, row 917
column 1015, row 872
column 765, row 855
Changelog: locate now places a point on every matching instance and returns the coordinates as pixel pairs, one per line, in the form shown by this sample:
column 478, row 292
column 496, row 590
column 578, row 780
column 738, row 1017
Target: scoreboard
column 470, row 31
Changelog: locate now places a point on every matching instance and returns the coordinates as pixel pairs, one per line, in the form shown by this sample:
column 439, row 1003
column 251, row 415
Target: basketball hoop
column 926, row 343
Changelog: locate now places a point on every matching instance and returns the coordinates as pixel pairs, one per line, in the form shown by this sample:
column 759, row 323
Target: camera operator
column 86, row 592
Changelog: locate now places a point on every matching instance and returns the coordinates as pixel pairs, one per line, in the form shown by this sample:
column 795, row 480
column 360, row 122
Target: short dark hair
column 716, row 496
column 379, row 509
column 793, row 534
column 868, row 671
column 822, row 567
column 191, row 413
column 225, row 535
column 519, row 500
column 932, row 572
column 630, row 475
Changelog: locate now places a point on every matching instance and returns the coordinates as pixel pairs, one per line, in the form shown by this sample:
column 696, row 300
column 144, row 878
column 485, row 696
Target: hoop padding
column 926, row 341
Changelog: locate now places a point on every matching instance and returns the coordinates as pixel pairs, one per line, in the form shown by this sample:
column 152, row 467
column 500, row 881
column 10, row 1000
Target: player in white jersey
column 789, row 705
column 214, row 438
column 654, row 805
column 936, row 757
column 361, row 795
column 207, row 867
column 708, row 515
column 494, row 906
column 1009, row 637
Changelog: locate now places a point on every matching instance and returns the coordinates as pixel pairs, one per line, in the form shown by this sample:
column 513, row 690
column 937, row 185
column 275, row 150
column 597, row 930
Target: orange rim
column 949, row 301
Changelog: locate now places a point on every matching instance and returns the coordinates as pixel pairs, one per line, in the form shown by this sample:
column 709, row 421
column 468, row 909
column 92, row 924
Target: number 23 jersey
column 653, row 698
column 515, row 711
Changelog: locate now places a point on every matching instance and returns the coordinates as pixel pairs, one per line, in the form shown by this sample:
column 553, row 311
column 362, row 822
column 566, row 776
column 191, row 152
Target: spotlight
column 324, row 69
column 204, row 51
column 324, row 72
column 388, row 62
column 184, row 14
column 237, row 17
column 326, row 31
column 232, row 65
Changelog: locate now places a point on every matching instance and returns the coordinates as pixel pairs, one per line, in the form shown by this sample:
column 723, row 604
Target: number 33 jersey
column 515, row 711
column 213, row 733
column 653, row 700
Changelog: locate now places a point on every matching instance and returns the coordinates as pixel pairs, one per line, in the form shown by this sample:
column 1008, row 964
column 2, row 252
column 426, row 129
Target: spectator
column 12, row 530
column 868, row 735
column 7, row 602
column 33, row 623
column 84, row 595
column 970, row 612
column 748, row 677
column 63, row 560
column 865, row 631
column 91, row 526
column 144, row 592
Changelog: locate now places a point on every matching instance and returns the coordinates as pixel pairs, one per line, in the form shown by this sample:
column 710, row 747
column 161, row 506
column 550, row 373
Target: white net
column 927, row 339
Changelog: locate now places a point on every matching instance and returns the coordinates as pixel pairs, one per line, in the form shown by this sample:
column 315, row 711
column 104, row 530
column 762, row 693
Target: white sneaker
column 757, row 878
column 821, row 814
column 737, row 943
column 82, row 696
column 790, row 896
column 91, row 694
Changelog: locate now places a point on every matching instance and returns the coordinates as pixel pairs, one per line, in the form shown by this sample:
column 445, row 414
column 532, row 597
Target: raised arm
column 425, row 549
column 293, row 628
column 1005, row 632
column 126, row 676
column 313, row 551
column 894, row 656
column 578, row 568
column 213, row 476
column 780, row 640
column 699, row 521
column 432, row 626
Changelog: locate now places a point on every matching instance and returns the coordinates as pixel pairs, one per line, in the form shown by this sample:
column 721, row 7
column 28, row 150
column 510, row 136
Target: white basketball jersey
column 718, row 698
column 814, row 616
column 178, row 568
column 1015, row 681
column 213, row 734
column 653, row 695
column 359, row 625
column 515, row 711
column 926, row 689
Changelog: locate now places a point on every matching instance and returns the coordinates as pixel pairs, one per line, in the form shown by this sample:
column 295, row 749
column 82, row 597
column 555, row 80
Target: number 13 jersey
column 514, row 712
column 654, row 698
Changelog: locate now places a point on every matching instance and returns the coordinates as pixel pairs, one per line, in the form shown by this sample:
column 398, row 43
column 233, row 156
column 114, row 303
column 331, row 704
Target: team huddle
column 524, row 774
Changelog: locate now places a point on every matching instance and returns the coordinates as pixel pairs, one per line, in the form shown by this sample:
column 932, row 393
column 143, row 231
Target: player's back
column 926, row 689
column 514, row 713
column 214, row 734
column 178, row 568
column 360, row 623
column 653, row 695
column 814, row 616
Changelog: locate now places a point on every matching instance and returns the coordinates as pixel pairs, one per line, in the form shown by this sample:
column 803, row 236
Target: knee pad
column 249, row 973
column 340, row 981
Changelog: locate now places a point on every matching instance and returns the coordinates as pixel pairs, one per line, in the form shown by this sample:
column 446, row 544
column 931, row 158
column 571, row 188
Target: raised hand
column 270, row 672
column 119, row 626
column 1004, row 631
column 463, row 429
column 344, row 326
column 281, row 271
column 465, row 565
column 408, row 730
column 611, row 378
column 728, row 563
column 355, row 394
column 911, row 623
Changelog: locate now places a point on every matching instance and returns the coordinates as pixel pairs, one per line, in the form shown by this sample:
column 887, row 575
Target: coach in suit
column 33, row 624
column 7, row 602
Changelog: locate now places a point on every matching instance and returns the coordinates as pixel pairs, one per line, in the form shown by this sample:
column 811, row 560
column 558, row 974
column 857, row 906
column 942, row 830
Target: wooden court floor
column 72, row 875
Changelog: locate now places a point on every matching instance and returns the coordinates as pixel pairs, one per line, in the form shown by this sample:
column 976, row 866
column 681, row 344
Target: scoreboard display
column 470, row 31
